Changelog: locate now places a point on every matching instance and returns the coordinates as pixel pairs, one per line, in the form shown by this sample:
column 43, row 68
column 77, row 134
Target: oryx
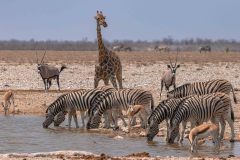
column 169, row 76
column 48, row 72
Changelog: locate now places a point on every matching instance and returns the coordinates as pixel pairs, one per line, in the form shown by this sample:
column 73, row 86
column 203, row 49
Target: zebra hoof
column 231, row 140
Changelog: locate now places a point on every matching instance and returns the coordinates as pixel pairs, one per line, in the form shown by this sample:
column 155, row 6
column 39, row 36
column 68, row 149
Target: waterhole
column 24, row 134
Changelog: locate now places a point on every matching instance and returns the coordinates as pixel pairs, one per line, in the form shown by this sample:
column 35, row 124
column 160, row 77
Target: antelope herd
column 197, row 102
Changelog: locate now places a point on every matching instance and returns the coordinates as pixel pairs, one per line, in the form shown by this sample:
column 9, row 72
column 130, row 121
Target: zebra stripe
column 121, row 98
column 80, row 100
column 198, row 109
column 201, row 88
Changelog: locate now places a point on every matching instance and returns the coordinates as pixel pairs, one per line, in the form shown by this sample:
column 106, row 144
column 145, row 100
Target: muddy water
column 24, row 134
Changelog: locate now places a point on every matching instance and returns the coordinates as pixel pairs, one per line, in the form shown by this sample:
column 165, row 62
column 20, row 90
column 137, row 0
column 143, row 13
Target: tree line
column 140, row 45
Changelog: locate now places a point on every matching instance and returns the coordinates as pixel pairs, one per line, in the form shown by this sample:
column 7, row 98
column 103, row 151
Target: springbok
column 203, row 131
column 169, row 76
column 133, row 111
column 8, row 97
column 48, row 72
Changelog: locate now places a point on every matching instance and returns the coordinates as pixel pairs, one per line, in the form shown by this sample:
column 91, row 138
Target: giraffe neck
column 101, row 47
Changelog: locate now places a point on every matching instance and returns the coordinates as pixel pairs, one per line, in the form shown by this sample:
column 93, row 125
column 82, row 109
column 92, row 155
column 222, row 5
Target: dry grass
column 126, row 57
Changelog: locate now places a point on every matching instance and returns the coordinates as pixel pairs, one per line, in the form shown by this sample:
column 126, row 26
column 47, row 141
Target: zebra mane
column 177, row 108
column 180, row 87
column 163, row 102
column 56, row 104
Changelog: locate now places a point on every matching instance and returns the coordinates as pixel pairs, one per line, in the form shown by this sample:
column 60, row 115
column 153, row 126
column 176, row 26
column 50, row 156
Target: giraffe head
column 101, row 19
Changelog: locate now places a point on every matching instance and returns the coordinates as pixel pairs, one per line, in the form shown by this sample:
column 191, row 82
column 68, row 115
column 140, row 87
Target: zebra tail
column 234, row 96
column 62, row 68
column 232, row 116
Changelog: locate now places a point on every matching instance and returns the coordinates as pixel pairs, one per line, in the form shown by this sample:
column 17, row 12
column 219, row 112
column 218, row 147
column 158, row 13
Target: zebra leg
column 223, row 124
column 167, row 124
column 107, row 115
column 75, row 119
column 143, row 125
column 217, row 141
column 122, row 117
column 184, row 124
column 69, row 119
column 82, row 117
column 114, row 118
column 231, row 124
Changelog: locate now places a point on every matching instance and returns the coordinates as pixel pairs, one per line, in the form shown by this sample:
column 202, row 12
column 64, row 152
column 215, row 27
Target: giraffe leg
column 113, row 80
column 106, row 82
column 119, row 78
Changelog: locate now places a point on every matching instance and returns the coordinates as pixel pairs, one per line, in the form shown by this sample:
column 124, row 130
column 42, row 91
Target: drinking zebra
column 80, row 100
column 121, row 98
column 215, row 107
column 60, row 117
column 201, row 88
column 164, row 111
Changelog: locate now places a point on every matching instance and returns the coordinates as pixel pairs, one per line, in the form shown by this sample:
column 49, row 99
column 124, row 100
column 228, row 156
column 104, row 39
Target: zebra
column 79, row 100
column 198, row 109
column 60, row 117
column 205, row 48
column 169, row 77
column 164, row 111
column 201, row 88
column 121, row 98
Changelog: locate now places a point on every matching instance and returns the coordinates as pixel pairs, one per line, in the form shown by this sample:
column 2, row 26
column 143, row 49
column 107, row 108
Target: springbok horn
column 97, row 11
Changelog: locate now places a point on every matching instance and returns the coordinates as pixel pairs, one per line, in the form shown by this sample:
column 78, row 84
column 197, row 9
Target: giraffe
column 110, row 67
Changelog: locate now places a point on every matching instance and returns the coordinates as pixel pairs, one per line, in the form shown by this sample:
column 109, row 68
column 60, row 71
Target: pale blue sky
column 127, row 19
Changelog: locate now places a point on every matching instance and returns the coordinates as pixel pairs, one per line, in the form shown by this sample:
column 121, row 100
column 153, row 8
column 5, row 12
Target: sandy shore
column 79, row 155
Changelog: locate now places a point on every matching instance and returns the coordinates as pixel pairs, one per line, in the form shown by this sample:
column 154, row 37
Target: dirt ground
column 140, row 70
